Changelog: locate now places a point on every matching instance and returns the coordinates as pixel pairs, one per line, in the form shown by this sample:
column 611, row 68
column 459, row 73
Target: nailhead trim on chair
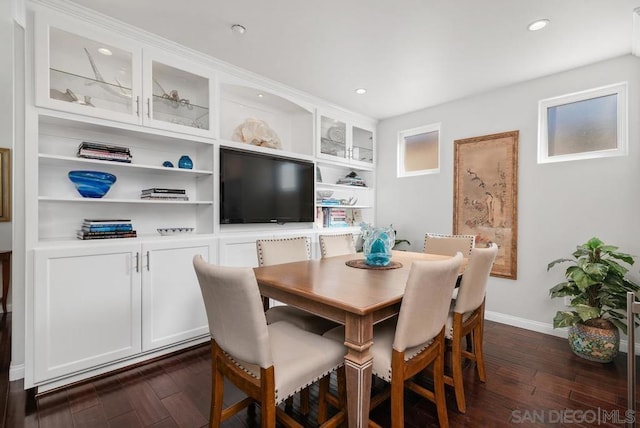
column 261, row 257
column 323, row 249
column 443, row 235
column 406, row 358
column 280, row 400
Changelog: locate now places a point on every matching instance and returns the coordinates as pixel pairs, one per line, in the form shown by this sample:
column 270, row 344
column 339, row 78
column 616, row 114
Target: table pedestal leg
column 358, row 368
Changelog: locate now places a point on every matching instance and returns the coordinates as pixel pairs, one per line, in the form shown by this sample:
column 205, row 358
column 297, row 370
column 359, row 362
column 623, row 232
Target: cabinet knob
column 138, row 106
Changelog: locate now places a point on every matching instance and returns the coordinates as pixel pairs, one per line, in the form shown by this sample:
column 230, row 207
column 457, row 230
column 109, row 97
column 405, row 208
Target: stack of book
column 164, row 194
column 104, row 152
column 338, row 217
column 328, row 201
column 106, row 228
column 332, row 217
column 352, row 181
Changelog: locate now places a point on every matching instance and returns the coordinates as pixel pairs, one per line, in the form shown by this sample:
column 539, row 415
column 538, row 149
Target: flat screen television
column 260, row 188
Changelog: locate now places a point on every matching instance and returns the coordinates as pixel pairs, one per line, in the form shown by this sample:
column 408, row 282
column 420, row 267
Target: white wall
column 560, row 205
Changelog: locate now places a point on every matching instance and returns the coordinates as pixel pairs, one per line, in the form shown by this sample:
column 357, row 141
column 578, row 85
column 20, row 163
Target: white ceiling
column 409, row 54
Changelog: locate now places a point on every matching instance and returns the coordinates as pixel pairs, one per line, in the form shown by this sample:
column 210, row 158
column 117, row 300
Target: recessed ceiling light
column 237, row 28
column 105, row 51
column 260, row 95
column 361, row 91
column 538, row 25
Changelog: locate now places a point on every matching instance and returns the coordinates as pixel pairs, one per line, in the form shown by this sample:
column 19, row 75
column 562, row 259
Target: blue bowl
column 92, row 184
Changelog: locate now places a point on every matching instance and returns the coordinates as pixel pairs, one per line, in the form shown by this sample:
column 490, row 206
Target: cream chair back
column 337, row 245
column 474, row 280
column 234, row 311
column 426, row 300
column 283, row 250
column 448, row 245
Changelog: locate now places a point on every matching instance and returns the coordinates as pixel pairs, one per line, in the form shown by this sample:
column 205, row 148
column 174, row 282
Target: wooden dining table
column 355, row 297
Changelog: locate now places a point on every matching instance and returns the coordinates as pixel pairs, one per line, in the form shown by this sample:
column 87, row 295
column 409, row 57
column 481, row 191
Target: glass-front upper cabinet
column 333, row 138
column 177, row 97
column 85, row 71
column 345, row 141
column 362, row 145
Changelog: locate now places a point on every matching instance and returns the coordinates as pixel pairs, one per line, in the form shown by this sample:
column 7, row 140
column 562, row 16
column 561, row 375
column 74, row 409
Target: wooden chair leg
column 268, row 398
column 304, row 401
column 217, row 391
column 477, row 347
column 456, row 363
column 322, row 402
column 438, row 387
column 397, row 389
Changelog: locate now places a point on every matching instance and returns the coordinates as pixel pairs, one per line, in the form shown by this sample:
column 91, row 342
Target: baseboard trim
column 16, row 372
column 542, row 327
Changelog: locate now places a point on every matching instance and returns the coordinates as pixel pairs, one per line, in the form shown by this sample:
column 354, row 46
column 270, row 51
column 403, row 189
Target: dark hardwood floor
column 532, row 380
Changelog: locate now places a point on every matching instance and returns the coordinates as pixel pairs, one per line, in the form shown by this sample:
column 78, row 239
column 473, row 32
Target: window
column 419, row 151
column 583, row 125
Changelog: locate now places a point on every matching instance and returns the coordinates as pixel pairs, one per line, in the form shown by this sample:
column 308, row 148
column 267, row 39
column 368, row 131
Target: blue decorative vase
column 185, row 162
column 377, row 245
column 92, row 184
column 167, row 164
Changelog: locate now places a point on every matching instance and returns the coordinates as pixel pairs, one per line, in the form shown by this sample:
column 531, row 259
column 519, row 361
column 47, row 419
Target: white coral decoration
column 258, row 133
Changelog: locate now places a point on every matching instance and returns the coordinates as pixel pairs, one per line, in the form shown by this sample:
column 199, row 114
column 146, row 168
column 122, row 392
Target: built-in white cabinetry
column 85, row 70
column 61, row 209
column 345, row 140
column 252, row 114
column 86, row 307
column 356, row 202
column 97, row 303
column 172, row 306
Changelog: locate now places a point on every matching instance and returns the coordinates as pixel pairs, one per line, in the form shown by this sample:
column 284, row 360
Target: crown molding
column 74, row 10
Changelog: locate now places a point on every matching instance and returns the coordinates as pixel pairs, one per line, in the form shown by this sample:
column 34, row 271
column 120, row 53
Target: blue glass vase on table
column 377, row 244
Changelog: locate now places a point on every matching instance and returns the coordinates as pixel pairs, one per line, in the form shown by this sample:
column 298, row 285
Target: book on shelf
column 164, row 196
column 84, row 235
column 104, row 152
column 107, row 225
column 105, row 147
column 329, row 201
column 106, row 220
column 109, row 228
column 163, row 190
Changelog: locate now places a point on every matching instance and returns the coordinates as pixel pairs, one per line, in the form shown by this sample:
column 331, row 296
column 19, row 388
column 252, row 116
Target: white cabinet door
column 240, row 251
column 86, row 308
column 172, row 306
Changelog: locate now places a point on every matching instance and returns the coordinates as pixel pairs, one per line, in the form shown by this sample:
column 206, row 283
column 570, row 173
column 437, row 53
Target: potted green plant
column 597, row 285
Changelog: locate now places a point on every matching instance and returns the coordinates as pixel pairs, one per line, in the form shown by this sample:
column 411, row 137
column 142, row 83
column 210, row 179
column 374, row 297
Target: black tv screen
column 259, row 188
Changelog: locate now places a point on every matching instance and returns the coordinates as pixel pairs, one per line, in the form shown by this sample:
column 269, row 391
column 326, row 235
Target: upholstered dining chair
column 414, row 340
column 448, row 245
column 466, row 318
column 269, row 363
column 287, row 250
column 337, row 245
